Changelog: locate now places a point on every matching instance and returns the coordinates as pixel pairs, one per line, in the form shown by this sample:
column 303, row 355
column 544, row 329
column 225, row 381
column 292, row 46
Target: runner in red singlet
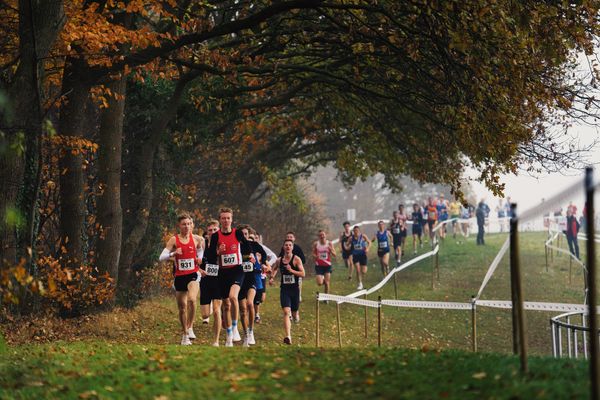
column 187, row 249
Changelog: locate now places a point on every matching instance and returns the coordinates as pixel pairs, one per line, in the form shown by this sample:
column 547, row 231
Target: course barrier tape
column 442, row 305
column 344, row 299
column 533, row 305
column 561, row 250
column 493, row 266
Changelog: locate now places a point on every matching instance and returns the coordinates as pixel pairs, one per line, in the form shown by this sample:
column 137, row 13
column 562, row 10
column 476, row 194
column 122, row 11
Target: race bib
column 289, row 279
column 383, row 245
column 358, row 246
column 431, row 215
column 396, row 230
column 323, row 255
column 186, row 264
column 228, row 260
column 247, row 266
column 212, row 270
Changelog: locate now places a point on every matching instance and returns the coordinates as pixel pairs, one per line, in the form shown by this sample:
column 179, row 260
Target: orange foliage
column 75, row 289
column 16, row 282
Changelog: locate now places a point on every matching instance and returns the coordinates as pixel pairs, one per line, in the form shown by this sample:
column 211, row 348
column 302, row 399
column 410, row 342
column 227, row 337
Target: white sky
column 528, row 191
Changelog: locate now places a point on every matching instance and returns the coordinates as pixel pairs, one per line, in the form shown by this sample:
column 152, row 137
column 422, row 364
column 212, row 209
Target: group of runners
column 230, row 267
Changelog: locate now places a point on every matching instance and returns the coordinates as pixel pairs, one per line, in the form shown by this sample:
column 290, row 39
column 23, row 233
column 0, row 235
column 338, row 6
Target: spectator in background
column 572, row 232
column 501, row 212
column 480, row 214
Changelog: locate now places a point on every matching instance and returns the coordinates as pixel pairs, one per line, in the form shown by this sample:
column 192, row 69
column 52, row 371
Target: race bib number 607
column 228, row 260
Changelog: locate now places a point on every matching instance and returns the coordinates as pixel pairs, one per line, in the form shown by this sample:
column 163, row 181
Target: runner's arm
column 274, row 271
column 332, row 250
column 167, row 252
column 298, row 263
column 211, row 253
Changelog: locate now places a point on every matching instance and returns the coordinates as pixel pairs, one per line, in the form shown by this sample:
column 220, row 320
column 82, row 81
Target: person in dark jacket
column 572, row 232
column 480, row 214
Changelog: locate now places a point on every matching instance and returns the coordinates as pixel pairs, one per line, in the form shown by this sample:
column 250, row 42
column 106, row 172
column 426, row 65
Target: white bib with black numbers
column 383, row 245
column 247, row 266
column 229, row 260
column 323, row 255
column 289, row 279
column 186, row 264
column 396, row 230
column 212, row 270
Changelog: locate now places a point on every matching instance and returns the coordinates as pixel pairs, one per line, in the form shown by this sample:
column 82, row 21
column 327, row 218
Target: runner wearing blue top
column 359, row 244
column 384, row 238
column 291, row 269
column 417, row 227
column 252, row 267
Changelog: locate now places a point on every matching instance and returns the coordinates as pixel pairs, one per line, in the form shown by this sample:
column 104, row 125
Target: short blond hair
column 184, row 215
column 225, row 210
column 213, row 222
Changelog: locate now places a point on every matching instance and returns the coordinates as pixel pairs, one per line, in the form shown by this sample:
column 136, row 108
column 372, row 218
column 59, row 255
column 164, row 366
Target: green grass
column 100, row 370
column 134, row 353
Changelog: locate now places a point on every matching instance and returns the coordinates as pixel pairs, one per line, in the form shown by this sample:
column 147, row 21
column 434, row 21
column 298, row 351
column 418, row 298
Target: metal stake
column 379, row 322
column 317, row 323
column 591, row 268
column 474, row 323
column 339, row 325
column 519, row 332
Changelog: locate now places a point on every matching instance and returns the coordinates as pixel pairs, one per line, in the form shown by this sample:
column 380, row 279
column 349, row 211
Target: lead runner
column 225, row 250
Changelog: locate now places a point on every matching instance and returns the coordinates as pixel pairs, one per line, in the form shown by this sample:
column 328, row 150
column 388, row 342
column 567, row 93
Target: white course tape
column 442, row 305
column 551, row 204
column 493, row 266
column 442, row 223
column 533, row 306
column 567, row 252
column 402, row 267
column 345, row 299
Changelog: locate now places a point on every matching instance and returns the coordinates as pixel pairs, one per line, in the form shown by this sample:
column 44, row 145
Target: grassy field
column 134, row 353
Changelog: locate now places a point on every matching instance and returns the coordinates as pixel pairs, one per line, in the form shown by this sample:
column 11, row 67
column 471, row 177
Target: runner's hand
column 179, row 251
column 202, row 272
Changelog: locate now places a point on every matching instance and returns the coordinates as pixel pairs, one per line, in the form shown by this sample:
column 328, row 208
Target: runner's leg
column 192, row 301
column 217, row 321
column 327, row 281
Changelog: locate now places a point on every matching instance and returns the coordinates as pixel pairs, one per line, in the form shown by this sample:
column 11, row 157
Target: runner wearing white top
column 323, row 251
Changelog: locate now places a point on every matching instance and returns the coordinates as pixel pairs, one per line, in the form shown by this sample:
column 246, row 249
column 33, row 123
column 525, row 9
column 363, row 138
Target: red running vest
column 230, row 253
column 185, row 263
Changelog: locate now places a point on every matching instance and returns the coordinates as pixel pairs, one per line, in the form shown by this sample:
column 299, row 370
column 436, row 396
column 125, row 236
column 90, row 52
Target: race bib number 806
column 289, row 279
column 212, row 270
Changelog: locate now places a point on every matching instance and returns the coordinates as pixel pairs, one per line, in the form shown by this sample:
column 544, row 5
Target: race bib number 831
column 289, row 279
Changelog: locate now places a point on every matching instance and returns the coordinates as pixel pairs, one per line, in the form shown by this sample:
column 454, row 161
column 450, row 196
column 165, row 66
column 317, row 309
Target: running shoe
column 257, row 319
column 229, row 341
column 251, row 338
column 236, row 335
column 215, row 344
column 191, row 334
column 287, row 340
column 205, row 321
column 185, row 340
column 296, row 319
column 245, row 342
column 360, row 286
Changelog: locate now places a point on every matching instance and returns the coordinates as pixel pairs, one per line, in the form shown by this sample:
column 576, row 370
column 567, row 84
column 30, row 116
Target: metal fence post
column 317, row 323
column 366, row 327
column 339, row 324
column 379, row 322
column 474, row 323
column 591, row 268
column 519, row 333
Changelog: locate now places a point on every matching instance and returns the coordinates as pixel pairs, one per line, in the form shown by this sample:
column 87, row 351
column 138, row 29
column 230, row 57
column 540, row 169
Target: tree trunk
column 39, row 24
column 72, row 196
column 110, row 215
column 144, row 168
